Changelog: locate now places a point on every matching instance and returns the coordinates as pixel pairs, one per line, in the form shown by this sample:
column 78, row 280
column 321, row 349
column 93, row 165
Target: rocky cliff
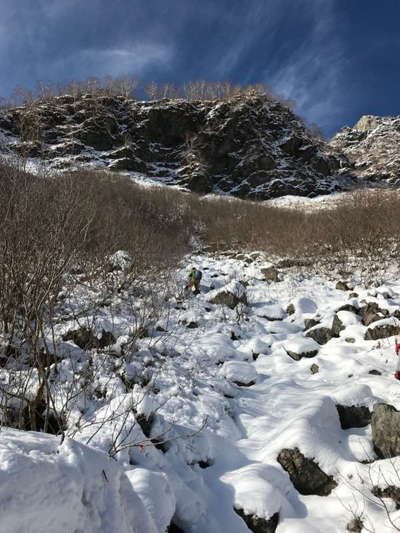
column 372, row 147
column 249, row 146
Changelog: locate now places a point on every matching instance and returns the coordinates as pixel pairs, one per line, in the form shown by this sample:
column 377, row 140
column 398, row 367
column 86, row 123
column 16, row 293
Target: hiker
column 194, row 279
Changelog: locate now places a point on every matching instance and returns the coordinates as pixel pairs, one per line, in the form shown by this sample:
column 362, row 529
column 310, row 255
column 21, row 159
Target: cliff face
column 372, row 147
column 249, row 146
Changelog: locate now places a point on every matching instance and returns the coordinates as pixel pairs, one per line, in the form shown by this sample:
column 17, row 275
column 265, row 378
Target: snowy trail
column 290, row 407
column 229, row 399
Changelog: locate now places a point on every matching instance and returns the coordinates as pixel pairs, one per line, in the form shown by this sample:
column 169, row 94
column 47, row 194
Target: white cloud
column 313, row 76
column 132, row 60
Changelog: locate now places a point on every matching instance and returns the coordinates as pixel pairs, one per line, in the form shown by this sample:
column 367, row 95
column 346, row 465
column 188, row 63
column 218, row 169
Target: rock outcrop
column 372, row 146
column 250, row 146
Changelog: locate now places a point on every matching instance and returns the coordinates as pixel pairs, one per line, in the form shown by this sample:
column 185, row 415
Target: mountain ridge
column 249, row 146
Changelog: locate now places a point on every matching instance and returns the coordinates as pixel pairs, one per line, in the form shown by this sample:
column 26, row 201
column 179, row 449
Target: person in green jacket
column 194, row 279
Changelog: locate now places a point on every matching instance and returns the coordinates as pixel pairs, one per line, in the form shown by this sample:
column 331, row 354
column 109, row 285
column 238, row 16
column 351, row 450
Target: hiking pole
column 397, row 350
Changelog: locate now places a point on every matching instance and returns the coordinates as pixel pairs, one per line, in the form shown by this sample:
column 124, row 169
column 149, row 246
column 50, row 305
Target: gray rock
column 310, row 323
column 298, row 356
column 270, row 274
column 321, row 335
column 348, row 307
column 337, row 326
column 343, row 286
column 381, row 332
column 371, row 312
column 229, row 299
column 305, row 474
column 257, row 524
column 290, row 310
column 385, row 424
column 353, row 416
column 391, row 491
column 314, row 368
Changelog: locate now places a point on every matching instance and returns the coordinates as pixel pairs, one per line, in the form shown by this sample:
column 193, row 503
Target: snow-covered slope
column 203, row 412
column 249, row 146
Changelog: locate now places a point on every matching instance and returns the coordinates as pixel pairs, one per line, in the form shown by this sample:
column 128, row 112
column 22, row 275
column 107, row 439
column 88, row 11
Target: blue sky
column 338, row 59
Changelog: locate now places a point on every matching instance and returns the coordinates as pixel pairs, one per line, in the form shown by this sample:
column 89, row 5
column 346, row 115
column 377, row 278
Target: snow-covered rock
column 48, row 486
column 239, row 372
column 301, row 347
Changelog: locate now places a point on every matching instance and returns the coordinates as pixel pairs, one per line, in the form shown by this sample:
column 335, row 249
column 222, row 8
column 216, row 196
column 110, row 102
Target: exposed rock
column 231, row 295
column 371, row 312
column 348, row 307
column 337, row 326
column 257, row 524
column 87, row 340
column 192, row 325
column 305, row 474
column 290, row 310
column 385, row 424
column 321, row 335
column 270, row 274
column 391, row 491
column 343, row 286
column 383, row 329
column 374, row 372
column 250, row 145
column 355, row 526
column 304, row 348
column 314, row 368
column 353, row 416
column 310, row 323
column 371, row 147
column 173, row 528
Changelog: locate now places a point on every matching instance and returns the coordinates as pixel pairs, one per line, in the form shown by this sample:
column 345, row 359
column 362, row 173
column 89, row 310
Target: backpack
column 198, row 275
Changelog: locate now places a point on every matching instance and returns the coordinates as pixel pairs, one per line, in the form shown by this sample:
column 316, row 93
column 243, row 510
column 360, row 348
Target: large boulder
column 342, row 319
column 270, row 273
column 353, row 416
column 231, row 295
column 299, row 348
column 371, row 312
column 320, row 334
column 385, row 424
column 257, row 524
column 305, row 474
column 388, row 327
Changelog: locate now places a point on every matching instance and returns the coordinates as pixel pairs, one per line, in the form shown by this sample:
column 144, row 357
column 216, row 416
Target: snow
column 302, row 345
column 220, row 439
column 239, row 372
column 64, row 487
